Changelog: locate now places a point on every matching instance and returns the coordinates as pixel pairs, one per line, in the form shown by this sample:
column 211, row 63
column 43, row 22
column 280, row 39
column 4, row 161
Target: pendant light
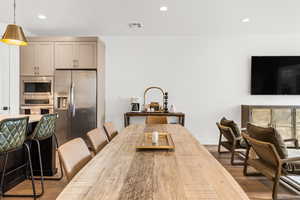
column 14, row 34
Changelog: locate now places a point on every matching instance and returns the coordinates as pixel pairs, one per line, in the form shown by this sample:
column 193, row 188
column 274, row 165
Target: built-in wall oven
column 36, row 94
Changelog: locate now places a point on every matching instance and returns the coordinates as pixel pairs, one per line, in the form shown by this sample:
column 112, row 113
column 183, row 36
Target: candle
column 155, row 137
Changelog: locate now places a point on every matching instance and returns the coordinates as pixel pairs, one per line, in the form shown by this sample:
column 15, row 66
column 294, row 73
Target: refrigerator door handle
column 72, row 102
column 74, row 105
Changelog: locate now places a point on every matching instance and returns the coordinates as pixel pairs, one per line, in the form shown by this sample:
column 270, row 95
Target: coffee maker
column 135, row 104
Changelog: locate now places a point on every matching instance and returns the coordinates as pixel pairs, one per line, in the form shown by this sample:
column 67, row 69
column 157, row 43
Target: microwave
column 37, row 85
column 36, row 90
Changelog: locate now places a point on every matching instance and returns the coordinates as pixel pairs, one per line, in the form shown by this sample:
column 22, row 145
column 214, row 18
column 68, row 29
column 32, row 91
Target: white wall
column 9, row 75
column 207, row 77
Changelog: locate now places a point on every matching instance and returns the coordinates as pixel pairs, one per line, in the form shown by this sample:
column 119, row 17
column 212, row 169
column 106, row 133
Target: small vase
column 172, row 109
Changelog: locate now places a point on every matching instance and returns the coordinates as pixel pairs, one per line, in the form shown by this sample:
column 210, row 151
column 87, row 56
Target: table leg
column 126, row 120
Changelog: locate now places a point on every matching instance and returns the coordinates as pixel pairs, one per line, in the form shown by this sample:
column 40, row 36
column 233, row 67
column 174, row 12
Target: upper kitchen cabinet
column 37, row 59
column 81, row 55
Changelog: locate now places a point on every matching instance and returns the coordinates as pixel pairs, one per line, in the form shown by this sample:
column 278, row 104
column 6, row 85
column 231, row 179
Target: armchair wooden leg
column 232, row 157
column 219, row 145
column 275, row 187
column 239, row 163
column 245, row 170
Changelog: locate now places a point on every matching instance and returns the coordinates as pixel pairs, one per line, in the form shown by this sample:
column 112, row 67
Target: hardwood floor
column 257, row 188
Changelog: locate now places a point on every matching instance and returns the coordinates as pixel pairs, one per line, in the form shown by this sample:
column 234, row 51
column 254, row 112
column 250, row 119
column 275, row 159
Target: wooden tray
column 165, row 141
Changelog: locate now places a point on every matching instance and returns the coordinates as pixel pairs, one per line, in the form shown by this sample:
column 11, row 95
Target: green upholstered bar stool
column 44, row 130
column 12, row 138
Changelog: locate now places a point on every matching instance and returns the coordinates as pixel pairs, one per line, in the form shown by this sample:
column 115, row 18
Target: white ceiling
column 185, row 17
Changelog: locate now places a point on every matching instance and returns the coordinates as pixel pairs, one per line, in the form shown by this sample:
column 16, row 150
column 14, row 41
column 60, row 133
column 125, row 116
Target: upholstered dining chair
column 97, row 139
column 232, row 143
column 74, row 155
column 268, row 162
column 156, row 120
column 12, row 138
column 110, row 130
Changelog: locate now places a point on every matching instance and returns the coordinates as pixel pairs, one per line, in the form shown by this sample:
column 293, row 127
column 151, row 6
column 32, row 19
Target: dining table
column 121, row 172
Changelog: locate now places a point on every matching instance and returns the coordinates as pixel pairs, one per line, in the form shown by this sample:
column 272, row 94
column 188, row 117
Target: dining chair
column 110, row 130
column 12, row 138
column 74, row 155
column 232, row 143
column 97, row 139
column 156, row 120
column 268, row 162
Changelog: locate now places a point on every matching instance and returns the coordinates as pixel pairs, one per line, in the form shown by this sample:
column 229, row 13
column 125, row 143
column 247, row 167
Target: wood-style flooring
column 257, row 188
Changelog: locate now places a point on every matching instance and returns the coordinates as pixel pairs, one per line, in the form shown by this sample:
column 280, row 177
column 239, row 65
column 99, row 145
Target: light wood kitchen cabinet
column 81, row 55
column 64, row 55
column 37, row 59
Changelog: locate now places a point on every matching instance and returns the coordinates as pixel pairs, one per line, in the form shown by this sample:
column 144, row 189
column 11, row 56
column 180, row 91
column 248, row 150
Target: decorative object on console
column 166, row 97
column 157, row 107
column 14, row 34
column 135, row 104
column 154, row 106
column 172, row 109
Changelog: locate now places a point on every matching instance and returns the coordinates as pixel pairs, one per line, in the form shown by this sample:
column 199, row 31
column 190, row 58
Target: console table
column 285, row 118
column 179, row 115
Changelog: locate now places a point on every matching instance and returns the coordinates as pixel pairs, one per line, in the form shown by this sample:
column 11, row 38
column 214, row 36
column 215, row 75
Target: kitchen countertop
column 32, row 118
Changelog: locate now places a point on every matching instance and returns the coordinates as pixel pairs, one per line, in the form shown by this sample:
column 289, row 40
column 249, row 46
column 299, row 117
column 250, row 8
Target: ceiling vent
column 135, row 25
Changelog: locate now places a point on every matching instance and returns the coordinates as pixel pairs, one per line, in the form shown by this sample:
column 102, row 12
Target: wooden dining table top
column 120, row 172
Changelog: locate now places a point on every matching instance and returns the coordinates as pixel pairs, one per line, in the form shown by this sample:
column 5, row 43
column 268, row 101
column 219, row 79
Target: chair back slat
column 110, row 130
column 74, row 155
column 156, row 120
column 226, row 132
column 264, row 150
column 12, row 133
column 97, row 139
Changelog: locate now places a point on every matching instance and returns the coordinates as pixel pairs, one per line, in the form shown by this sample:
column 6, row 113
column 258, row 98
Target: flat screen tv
column 275, row 75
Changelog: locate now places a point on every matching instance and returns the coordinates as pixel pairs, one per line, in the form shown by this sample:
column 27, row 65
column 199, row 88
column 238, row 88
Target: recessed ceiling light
column 245, row 20
column 163, row 8
column 40, row 16
column 135, row 25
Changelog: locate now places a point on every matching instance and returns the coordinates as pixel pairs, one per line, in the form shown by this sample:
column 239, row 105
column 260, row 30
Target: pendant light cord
column 14, row 11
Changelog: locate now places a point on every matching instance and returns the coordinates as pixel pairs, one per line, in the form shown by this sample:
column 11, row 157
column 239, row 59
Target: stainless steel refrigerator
column 75, row 101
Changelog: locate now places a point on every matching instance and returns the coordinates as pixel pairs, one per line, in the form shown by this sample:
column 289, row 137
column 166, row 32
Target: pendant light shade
column 14, row 34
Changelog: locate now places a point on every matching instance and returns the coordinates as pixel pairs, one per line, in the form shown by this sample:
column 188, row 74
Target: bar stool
column 12, row 138
column 44, row 130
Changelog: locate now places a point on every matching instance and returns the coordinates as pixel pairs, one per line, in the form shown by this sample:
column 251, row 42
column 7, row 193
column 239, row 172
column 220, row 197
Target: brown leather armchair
column 268, row 162
column 232, row 143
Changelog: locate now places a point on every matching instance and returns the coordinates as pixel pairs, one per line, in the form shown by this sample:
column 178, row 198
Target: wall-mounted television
column 275, row 75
